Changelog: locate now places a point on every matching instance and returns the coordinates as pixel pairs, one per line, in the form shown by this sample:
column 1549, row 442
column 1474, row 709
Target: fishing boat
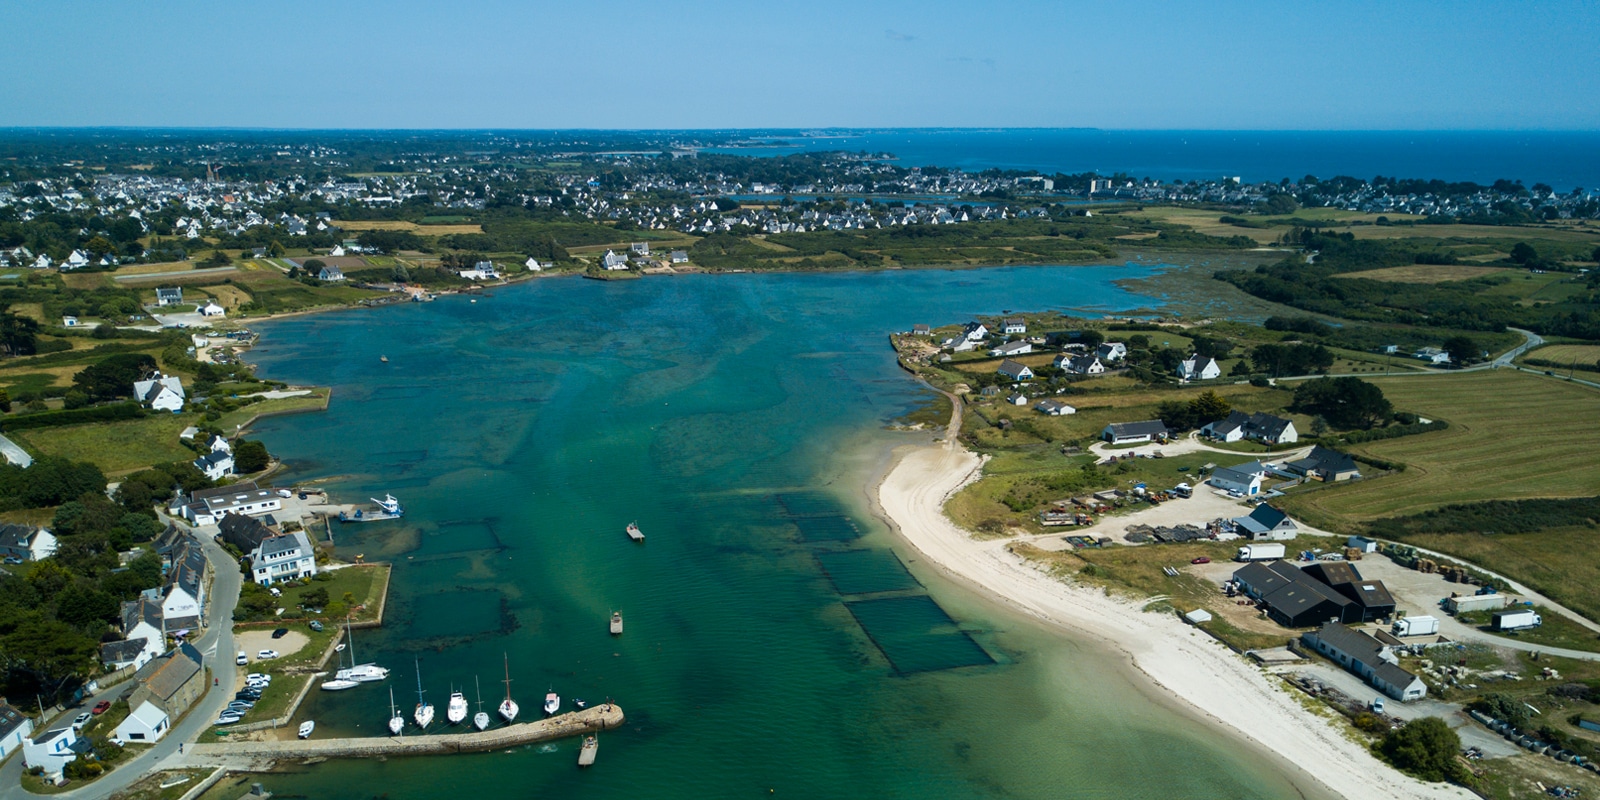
column 424, row 713
column 384, row 359
column 552, row 702
column 480, row 720
column 508, row 709
column 387, row 508
column 616, row 623
column 457, row 710
column 396, row 722
column 338, row 685
column 591, row 748
column 359, row 673
column 634, row 533
column 306, row 728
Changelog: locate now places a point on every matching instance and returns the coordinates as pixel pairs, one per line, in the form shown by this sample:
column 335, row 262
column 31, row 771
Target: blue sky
column 665, row 64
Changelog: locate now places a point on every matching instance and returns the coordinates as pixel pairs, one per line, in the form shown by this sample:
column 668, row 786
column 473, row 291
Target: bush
column 76, row 416
column 1425, row 748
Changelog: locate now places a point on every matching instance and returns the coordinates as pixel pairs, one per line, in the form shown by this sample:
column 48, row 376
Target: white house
column 1080, row 365
column 1132, row 432
column 143, row 635
column 144, row 725
column 1264, row 428
column 1015, row 370
column 1112, row 351
column 1242, row 479
column 211, row 309
column 163, row 393
column 207, row 506
column 1196, row 368
column 184, row 596
column 1055, row 408
column 532, row 264
column 481, row 271
column 1012, row 325
column 1017, row 399
column 680, row 257
column 330, row 273
column 15, row 727
column 53, row 749
column 1266, row 524
column 975, row 332
column 640, row 248
column 69, row 322
column 215, row 465
column 25, row 542
column 1012, row 349
column 1368, row 658
column 1433, row 355
column 169, row 296
column 613, row 261
column 337, row 251
column 78, row 260
column 282, row 558
column 217, row 444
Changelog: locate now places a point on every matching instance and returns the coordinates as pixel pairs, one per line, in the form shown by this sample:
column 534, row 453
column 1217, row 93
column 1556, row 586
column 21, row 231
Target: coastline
column 1189, row 666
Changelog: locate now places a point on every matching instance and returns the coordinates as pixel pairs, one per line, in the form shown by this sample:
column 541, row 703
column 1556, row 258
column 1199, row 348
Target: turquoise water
column 777, row 644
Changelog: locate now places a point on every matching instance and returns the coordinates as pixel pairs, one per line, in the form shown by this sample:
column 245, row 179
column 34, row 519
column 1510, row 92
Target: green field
column 1512, row 435
column 1581, row 354
column 115, row 447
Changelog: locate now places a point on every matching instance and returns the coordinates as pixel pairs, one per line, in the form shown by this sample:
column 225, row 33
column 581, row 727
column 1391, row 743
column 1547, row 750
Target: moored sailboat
column 508, row 708
column 424, row 713
column 480, row 720
column 396, row 722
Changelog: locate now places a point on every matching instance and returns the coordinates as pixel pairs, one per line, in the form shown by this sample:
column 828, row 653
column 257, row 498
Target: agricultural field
column 431, row 229
column 1569, row 353
column 1512, row 435
column 115, row 447
column 1427, row 273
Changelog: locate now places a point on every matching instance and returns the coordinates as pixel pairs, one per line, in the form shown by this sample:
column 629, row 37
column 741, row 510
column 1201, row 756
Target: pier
column 560, row 726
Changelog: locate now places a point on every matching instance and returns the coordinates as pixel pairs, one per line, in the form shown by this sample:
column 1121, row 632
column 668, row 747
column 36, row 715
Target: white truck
column 1416, row 626
column 1516, row 620
column 1260, row 552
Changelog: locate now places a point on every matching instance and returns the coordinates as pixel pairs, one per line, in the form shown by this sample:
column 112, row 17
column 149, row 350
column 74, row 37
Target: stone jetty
column 576, row 723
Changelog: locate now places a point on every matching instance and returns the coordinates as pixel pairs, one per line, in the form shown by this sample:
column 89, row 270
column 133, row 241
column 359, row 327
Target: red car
column 1201, row 560
column 101, row 707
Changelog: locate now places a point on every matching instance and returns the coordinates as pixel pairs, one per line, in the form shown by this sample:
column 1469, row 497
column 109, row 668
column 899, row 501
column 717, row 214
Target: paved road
column 1530, row 340
column 217, row 648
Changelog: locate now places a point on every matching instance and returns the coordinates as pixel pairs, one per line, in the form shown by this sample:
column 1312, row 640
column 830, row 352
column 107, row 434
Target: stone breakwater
column 576, row 723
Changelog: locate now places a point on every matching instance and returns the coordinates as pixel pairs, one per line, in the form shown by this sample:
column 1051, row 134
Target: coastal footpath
column 1194, row 667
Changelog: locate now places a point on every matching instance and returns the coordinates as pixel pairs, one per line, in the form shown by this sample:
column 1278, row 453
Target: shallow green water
column 737, row 419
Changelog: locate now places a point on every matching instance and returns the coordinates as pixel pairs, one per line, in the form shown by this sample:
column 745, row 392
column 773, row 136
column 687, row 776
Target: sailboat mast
column 508, row 676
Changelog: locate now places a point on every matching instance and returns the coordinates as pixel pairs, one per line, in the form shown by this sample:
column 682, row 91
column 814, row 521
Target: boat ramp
column 575, row 723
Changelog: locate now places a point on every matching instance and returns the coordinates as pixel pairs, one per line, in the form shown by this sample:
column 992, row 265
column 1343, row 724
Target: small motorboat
column 616, row 623
column 634, row 533
column 306, row 728
column 456, row 711
column 580, row 702
column 552, row 702
column 339, row 685
column 591, row 748
column 384, row 359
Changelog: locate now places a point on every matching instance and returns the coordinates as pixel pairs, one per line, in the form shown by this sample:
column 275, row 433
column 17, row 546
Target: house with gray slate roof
column 1368, row 658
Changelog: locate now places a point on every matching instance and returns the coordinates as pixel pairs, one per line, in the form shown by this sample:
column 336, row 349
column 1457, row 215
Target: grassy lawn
column 1569, row 353
column 1512, row 435
column 1425, row 273
column 115, row 447
column 150, row 787
column 1554, row 630
column 365, row 583
column 316, row 401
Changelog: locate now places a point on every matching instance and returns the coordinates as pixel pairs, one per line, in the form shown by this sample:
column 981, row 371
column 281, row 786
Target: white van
column 242, row 659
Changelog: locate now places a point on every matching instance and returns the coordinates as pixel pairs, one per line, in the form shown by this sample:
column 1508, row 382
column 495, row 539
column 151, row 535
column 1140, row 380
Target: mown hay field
column 1512, row 435
column 1569, row 353
column 1424, row 273
column 405, row 225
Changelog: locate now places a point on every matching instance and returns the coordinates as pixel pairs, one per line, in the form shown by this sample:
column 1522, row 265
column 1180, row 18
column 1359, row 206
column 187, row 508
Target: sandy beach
column 1192, row 666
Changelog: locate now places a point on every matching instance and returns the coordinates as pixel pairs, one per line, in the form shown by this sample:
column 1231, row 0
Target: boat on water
column 387, row 508
column 552, row 702
column 306, row 728
column 424, row 713
column 338, row 685
column 480, row 720
column 508, row 708
column 384, row 359
column 616, row 623
column 359, row 673
column 634, row 533
column 397, row 723
column 456, row 711
column 590, row 749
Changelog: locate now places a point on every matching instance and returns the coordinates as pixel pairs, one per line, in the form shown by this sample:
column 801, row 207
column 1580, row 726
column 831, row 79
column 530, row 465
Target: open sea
column 779, row 642
column 1562, row 159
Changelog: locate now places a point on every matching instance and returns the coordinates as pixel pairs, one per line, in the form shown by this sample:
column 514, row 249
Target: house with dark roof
column 1372, row 597
column 1325, row 464
column 1015, row 370
column 1080, row 365
column 208, row 506
column 52, row 750
column 215, row 465
column 1244, row 479
column 15, row 727
column 1368, row 658
column 1130, row 432
column 25, row 542
column 1258, row 579
column 183, row 596
column 1266, row 524
column 1259, row 427
column 1012, row 325
column 283, row 558
column 244, row 533
column 173, row 681
column 1303, row 602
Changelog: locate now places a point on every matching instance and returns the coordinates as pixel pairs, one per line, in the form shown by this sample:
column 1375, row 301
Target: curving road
column 216, row 646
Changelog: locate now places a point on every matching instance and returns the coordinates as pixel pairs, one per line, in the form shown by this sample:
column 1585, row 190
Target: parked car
column 1377, row 705
column 280, row 633
column 1200, row 560
column 81, row 720
column 228, row 718
column 101, row 707
column 315, row 625
column 242, row 659
column 265, row 654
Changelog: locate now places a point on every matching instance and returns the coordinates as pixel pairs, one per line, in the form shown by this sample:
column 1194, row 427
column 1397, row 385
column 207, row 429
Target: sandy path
column 1193, row 666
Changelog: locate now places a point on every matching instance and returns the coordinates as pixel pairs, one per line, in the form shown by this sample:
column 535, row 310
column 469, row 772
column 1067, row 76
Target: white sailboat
column 552, row 702
column 456, row 711
column 508, row 709
column 396, row 722
column 338, row 684
column 480, row 720
column 424, row 713
column 361, row 673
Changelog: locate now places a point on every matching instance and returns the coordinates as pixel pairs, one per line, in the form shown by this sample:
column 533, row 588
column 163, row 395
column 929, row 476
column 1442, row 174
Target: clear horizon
column 631, row 65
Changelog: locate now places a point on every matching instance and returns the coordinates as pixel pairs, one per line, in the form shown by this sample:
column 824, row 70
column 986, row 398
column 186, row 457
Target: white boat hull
column 423, row 716
column 508, row 710
column 480, row 720
column 396, row 724
column 338, row 685
column 457, row 710
column 552, row 704
column 306, row 728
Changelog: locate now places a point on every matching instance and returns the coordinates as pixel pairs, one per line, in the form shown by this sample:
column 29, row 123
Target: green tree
column 1176, row 414
column 250, row 456
column 1319, row 426
column 1345, row 402
column 103, row 331
column 1425, row 748
column 114, row 376
column 1209, row 407
column 19, row 335
column 86, row 608
column 1462, row 350
column 275, row 249
column 1524, row 254
column 99, row 246
column 5, row 401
